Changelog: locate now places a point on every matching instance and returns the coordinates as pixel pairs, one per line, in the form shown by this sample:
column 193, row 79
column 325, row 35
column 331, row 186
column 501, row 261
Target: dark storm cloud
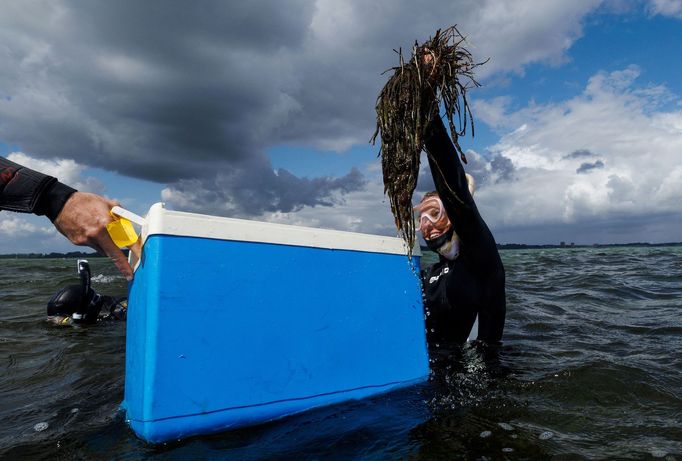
column 502, row 167
column 498, row 169
column 192, row 91
column 166, row 92
column 141, row 86
column 580, row 153
column 585, row 167
column 240, row 194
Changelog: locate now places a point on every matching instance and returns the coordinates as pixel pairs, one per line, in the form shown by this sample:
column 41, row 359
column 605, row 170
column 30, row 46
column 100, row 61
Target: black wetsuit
column 456, row 291
column 28, row 191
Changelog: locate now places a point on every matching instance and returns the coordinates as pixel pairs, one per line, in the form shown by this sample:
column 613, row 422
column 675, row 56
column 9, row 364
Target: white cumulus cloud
column 666, row 7
column 66, row 171
column 609, row 155
column 13, row 226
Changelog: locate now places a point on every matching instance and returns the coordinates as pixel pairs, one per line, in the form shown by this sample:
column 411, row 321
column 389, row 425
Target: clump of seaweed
column 439, row 71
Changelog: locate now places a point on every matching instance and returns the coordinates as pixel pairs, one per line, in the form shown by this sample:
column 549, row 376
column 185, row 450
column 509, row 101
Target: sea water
column 590, row 368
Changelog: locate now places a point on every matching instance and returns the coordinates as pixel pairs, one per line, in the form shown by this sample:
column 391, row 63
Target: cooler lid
column 160, row 221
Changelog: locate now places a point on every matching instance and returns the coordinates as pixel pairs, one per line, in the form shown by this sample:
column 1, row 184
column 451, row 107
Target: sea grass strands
column 439, row 71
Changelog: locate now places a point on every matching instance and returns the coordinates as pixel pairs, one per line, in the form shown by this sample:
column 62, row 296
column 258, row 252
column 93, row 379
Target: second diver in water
column 81, row 304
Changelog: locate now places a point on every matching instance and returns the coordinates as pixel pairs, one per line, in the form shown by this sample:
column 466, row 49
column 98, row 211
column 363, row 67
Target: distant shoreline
column 500, row 246
column 71, row 254
column 522, row 246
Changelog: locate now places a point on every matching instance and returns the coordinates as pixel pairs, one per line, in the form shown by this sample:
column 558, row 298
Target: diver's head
column 436, row 228
column 71, row 305
column 435, row 225
column 75, row 303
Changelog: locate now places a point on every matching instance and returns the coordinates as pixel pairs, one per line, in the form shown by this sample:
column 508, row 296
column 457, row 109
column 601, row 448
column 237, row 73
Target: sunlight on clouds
column 366, row 210
column 23, row 233
column 128, row 69
column 666, row 7
column 604, row 152
column 66, row 171
column 669, row 192
column 13, row 226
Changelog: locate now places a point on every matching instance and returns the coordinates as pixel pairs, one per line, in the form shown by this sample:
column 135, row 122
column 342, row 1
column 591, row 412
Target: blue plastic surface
column 223, row 334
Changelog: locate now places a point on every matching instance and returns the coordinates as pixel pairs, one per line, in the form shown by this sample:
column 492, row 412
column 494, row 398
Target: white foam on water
column 101, row 278
column 486, row 434
column 507, row 450
column 546, row 435
column 40, row 426
column 505, row 426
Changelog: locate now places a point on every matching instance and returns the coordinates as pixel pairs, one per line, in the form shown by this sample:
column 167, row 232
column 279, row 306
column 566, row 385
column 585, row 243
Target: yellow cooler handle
column 129, row 215
column 121, row 229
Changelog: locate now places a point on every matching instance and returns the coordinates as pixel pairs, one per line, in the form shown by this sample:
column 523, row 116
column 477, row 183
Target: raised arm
column 451, row 183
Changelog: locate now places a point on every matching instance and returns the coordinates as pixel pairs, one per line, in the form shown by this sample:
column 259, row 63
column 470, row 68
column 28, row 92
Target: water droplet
column 74, row 410
column 505, row 426
column 507, row 450
column 40, row 427
column 546, row 435
column 486, row 434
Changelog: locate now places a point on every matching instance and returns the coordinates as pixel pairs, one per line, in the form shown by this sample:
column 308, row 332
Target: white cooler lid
column 160, row 221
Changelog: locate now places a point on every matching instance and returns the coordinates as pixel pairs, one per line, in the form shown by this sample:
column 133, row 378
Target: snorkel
column 77, row 304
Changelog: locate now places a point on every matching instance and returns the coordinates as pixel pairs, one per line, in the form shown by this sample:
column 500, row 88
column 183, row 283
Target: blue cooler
column 234, row 322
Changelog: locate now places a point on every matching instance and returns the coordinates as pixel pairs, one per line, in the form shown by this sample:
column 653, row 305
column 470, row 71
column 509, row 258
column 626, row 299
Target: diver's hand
column 83, row 221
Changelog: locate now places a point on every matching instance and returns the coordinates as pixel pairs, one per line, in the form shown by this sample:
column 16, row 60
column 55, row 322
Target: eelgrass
column 439, row 71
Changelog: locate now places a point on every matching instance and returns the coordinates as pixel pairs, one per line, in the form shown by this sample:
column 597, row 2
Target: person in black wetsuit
column 81, row 217
column 468, row 280
column 82, row 305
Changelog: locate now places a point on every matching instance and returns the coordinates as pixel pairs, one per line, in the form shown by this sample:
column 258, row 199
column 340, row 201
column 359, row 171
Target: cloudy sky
column 264, row 110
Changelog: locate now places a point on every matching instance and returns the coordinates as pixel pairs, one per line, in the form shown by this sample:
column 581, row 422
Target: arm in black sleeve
column 450, row 180
column 28, row 191
column 477, row 241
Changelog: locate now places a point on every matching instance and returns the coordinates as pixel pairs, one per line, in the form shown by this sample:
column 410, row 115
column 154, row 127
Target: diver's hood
column 446, row 245
column 435, row 244
column 72, row 302
column 80, row 302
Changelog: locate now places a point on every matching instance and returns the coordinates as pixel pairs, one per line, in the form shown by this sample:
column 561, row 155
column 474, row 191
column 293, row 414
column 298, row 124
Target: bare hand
column 83, row 221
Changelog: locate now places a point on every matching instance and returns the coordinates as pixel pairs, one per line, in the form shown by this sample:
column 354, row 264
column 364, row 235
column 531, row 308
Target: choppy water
column 590, row 368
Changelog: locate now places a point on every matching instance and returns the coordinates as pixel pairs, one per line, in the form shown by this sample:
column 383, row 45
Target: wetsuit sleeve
column 28, row 191
column 482, row 255
column 451, row 183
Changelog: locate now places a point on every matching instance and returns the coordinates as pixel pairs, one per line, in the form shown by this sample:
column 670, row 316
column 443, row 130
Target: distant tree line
column 69, row 255
column 522, row 246
column 503, row 246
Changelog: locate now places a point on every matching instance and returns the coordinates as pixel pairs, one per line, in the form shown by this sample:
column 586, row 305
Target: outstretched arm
column 450, row 180
column 28, row 191
column 79, row 216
